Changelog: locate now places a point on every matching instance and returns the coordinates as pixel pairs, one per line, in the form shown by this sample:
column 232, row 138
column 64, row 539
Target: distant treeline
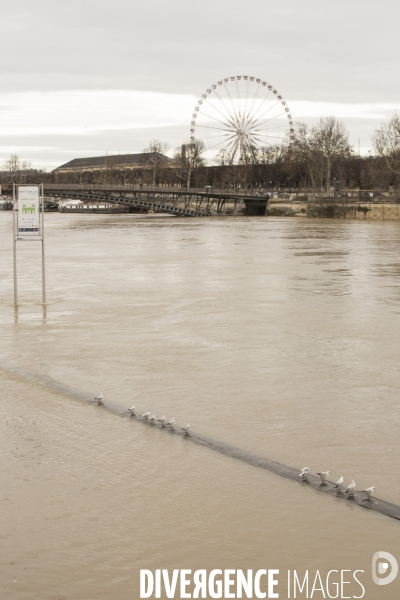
column 361, row 172
column 316, row 157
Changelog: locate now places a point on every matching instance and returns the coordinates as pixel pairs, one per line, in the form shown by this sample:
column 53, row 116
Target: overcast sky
column 85, row 78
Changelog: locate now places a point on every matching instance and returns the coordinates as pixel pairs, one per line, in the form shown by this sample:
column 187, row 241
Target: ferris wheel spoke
column 250, row 151
column 268, row 135
column 252, row 138
column 243, row 122
column 247, row 94
column 211, row 127
column 232, row 144
column 247, row 87
column 263, row 101
column 213, row 118
column 217, row 144
column 253, row 101
column 230, row 120
column 255, row 97
column 227, row 138
column 250, row 147
column 257, row 126
column 256, row 119
column 224, row 105
column 231, row 101
column 235, row 148
column 256, row 142
column 238, row 102
column 239, row 118
column 224, row 135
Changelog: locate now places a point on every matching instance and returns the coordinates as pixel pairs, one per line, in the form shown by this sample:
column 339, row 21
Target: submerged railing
column 375, row 504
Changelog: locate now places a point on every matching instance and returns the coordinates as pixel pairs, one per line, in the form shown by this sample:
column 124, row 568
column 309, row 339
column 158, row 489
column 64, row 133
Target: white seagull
column 132, row 409
column 351, row 488
column 99, row 399
column 304, row 472
column 152, row 419
column 324, row 475
column 369, row 491
column 163, row 420
column 146, row 415
column 186, row 429
column 339, row 483
column 171, row 423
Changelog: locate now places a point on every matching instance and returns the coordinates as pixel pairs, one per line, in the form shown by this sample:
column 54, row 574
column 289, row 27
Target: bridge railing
column 153, row 189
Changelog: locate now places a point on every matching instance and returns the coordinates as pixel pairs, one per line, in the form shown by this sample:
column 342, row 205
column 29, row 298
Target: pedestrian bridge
column 175, row 201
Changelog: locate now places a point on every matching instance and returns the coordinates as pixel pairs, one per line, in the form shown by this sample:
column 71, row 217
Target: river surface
column 277, row 336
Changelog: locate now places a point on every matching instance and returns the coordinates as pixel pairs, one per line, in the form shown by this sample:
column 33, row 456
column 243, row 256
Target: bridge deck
column 179, row 202
column 176, row 201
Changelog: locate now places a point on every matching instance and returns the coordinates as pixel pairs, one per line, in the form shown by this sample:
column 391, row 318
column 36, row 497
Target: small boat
column 5, row 205
column 91, row 207
column 50, row 207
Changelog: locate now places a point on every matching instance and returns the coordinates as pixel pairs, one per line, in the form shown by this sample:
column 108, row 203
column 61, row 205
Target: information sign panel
column 28, row 210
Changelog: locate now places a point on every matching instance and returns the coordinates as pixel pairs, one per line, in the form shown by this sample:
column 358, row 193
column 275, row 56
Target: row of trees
column 17, row 171
column 315, row 157
column 321, row 155
column 187, row 159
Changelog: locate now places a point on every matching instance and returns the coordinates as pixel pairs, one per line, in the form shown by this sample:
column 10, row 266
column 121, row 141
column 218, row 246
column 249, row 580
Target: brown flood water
column 278, row 336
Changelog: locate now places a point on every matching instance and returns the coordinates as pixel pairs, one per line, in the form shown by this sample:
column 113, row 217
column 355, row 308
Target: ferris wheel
column 240, row 114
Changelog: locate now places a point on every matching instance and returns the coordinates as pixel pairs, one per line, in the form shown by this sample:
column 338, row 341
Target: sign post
column 43, row 261
column 28, row 225
column 15, row 250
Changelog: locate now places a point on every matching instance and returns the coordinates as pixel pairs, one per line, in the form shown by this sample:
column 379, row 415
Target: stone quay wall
column 361, row 210
column 330, row 208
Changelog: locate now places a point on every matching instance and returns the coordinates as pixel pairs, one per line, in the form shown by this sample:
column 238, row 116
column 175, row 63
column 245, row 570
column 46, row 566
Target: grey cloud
column 59, row 149
column 309, row 50
column 333, row 52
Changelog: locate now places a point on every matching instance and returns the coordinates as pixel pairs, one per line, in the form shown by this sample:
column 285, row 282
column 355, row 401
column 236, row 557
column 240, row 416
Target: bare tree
column 304, row 150
column 225, row 159
column 187, row 158
column 321, row 147
column 386, row 141
column 248, row 158
column 12, row 167
column 17, row 171
column 156, row 157
column 275, row 153
column 331, row 139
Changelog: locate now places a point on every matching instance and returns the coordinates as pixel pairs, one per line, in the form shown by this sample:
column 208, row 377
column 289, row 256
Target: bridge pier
column 256, row 207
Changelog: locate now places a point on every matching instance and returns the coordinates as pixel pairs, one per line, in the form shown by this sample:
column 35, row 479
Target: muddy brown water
column 277, row 336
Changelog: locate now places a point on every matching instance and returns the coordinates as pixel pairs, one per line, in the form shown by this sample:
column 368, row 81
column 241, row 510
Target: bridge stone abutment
column 256, row 207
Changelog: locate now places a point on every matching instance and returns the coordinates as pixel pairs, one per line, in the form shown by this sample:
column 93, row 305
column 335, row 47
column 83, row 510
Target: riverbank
column 331, row 208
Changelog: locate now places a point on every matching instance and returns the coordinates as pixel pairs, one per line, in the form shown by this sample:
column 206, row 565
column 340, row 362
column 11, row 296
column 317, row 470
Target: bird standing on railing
column 98, row 399
column 369, row 491
column 304, row 472
column 339, row 484
column 351, row 488
column 324, row 475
